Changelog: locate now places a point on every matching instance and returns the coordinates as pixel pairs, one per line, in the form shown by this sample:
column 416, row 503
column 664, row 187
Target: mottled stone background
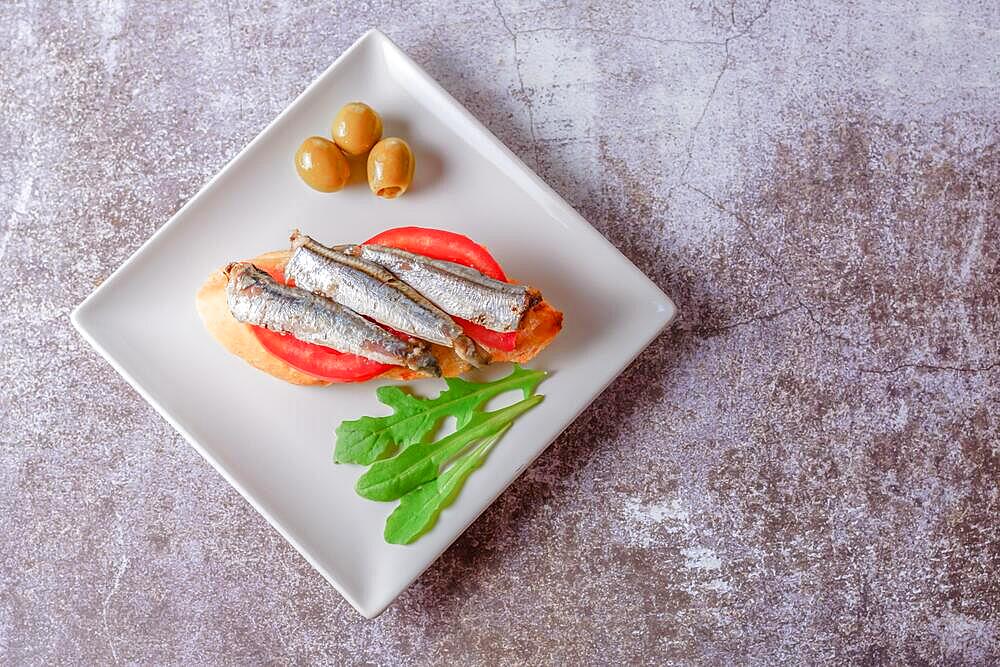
column 805, row 469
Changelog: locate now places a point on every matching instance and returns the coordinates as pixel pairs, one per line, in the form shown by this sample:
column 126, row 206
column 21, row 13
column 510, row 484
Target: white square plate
column 274, row 441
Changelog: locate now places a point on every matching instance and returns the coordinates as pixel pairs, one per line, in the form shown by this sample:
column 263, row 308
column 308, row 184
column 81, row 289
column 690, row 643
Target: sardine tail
column 468, row 351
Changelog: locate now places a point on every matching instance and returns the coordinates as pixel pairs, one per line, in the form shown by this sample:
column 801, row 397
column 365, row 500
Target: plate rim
column 78, row 316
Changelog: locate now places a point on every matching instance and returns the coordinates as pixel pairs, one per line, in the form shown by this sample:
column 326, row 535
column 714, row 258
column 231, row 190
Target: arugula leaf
column 369, row 439
column 390, row 479
column 419, row 509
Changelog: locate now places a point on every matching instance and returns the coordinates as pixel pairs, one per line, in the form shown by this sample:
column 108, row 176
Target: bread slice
column 540, row 325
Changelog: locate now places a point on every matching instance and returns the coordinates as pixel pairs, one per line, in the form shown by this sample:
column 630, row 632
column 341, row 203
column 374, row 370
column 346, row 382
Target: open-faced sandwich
column 410, row 302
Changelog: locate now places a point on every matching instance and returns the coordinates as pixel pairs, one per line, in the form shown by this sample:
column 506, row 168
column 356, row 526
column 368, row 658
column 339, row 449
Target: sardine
column 256, row 298
column 458, row 290
column 375, row 292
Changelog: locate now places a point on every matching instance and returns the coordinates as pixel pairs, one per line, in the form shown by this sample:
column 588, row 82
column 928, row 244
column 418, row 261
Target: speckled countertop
column 805, row 469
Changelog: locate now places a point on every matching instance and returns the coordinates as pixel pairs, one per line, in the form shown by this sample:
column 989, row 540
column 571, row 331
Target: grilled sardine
column 256, row 298
column 375, row 292
column 458, row 290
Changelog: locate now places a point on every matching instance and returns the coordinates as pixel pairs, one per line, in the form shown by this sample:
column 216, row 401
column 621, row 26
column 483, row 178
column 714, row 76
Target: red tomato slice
column 439, row 244
column 452, row 247
column 498, row 340
column 316, row 360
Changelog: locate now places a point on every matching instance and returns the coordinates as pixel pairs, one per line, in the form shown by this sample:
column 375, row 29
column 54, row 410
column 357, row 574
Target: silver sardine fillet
column 458, row 290
column 375, row 292
column 256, row 298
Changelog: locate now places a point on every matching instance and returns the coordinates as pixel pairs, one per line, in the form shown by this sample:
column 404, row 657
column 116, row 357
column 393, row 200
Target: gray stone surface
column 804, row 470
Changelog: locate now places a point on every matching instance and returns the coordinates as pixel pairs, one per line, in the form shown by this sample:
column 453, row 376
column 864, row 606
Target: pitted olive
column 390, row 168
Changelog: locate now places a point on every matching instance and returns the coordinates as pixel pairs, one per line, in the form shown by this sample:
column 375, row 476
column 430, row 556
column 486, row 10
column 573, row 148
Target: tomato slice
column 452, row 247
column 316, row 360
column 439, row 244
column 498, row 340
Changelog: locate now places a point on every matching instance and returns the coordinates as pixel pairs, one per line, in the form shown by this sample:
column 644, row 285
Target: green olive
column 356, row 128
column 321, row 165
column 390, row 168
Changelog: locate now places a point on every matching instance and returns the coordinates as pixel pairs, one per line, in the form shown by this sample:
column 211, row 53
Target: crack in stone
column 779, row 269
column 520, row 80
column 751, row 22
column 732, row 15
column 115, row 584
column 729, row 326
column 704, row 109
column 715, row 87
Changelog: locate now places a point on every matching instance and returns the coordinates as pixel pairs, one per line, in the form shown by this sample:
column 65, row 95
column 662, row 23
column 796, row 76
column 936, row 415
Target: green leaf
column 369, row 439
column 419, row 509
column 390, row 479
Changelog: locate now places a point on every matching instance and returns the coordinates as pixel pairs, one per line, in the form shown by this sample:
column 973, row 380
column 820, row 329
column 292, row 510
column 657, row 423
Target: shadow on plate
column 429, row 170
